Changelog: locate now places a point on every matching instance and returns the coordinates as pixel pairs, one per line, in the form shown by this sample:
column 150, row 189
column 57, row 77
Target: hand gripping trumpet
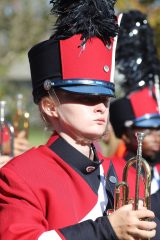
column 6, row 127
column 141, row 167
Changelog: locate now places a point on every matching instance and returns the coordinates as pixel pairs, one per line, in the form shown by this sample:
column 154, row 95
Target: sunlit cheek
column 83, row 118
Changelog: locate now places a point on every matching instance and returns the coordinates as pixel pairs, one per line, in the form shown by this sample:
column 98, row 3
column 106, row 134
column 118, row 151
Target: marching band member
column 141, row 104
column 21, row 144
column 61, row 190
column 10, row 144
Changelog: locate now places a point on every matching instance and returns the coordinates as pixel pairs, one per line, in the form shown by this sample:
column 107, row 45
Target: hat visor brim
column 93, row 90
column 148, row 123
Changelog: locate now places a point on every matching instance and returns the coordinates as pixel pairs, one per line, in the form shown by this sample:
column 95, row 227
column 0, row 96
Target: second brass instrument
column 121, row 194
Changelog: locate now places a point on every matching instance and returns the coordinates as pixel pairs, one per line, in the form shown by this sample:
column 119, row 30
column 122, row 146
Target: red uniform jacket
column 51, row 189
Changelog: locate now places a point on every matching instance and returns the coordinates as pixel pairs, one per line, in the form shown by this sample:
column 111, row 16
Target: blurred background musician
column 13, row 138
column 139, row 108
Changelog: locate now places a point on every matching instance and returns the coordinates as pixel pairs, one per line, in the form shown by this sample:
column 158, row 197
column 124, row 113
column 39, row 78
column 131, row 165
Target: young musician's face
column 151, row 141
column 83, row 116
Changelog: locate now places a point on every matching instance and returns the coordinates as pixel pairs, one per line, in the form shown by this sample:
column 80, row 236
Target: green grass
column 38, row 136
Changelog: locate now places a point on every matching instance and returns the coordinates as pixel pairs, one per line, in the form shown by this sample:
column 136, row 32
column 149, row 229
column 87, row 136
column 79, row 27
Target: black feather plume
column 136, row 55
column 87, row 17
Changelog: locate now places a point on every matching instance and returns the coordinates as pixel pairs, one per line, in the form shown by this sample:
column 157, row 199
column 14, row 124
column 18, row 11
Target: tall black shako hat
column 136, row 58
column 79, row 56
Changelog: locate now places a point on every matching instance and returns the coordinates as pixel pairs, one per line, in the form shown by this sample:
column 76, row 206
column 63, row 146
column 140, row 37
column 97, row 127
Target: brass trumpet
column 21, row 118
column 6, row 128
column 122, row 189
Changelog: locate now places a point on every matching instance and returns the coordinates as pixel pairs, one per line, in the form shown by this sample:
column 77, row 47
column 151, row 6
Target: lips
column 100, row 120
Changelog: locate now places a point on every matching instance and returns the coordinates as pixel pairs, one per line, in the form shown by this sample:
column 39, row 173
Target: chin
column 90, row 136
column 95, row 136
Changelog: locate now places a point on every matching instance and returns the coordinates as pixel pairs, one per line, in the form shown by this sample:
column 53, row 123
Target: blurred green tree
column 22, row 24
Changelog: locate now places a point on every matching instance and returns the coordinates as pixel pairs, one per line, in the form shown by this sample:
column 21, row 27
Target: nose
column 100, row 107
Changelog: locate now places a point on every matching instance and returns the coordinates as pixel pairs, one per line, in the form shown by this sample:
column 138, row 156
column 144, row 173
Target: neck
column 82, row 145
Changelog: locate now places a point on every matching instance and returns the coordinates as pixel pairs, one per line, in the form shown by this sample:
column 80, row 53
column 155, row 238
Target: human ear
column 48, row 106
